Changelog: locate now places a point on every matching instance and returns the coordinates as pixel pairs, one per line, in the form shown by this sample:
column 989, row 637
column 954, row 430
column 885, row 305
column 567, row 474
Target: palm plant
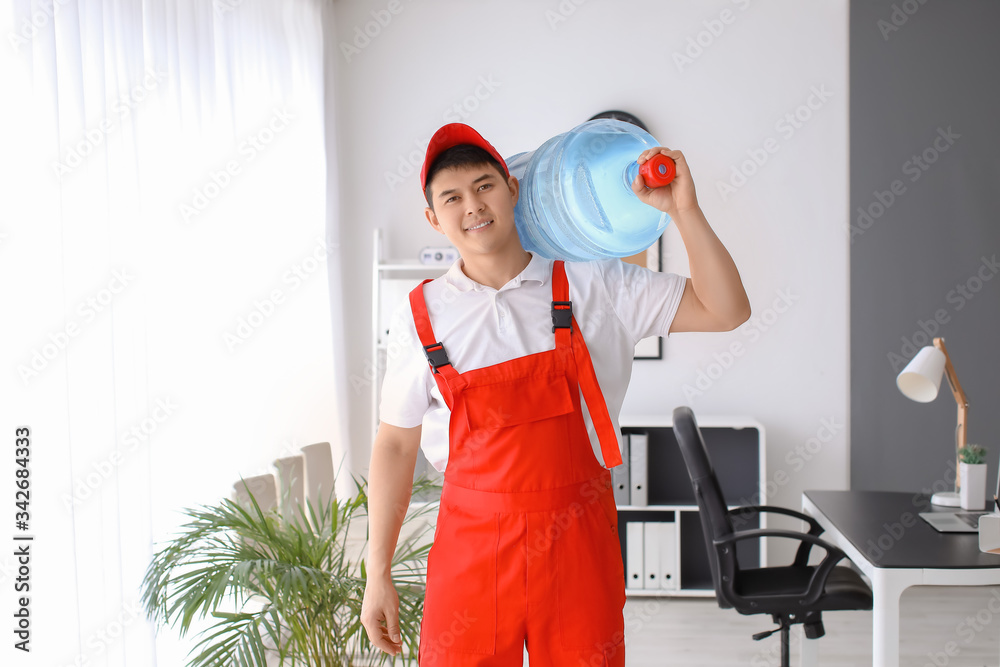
column 285, row 589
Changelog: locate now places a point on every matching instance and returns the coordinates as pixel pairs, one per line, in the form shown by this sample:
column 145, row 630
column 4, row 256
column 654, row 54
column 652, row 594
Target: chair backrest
column 712, row 510
column 319, row 473
column 291, row 474
column 264, row 489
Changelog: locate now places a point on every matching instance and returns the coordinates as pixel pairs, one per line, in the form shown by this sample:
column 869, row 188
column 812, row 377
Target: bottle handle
column 658, row 171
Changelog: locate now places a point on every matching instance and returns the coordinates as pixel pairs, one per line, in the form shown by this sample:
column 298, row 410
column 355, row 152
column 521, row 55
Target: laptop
column 953, row 522
column 961, row 521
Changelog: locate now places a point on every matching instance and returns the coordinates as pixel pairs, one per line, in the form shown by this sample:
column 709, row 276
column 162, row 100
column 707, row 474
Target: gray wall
column 918, row 262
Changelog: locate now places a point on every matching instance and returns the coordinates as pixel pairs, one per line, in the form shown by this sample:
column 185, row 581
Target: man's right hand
column 394, row 455
column 380, row 615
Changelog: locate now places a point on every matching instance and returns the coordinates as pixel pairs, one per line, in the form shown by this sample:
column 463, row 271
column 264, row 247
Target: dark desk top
column 886, row 528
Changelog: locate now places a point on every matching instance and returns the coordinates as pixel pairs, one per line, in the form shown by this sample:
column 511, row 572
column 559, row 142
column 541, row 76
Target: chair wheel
column 814, row 630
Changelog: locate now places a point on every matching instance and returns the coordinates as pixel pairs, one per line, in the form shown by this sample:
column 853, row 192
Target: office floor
column 965, row 621
column 940, row 627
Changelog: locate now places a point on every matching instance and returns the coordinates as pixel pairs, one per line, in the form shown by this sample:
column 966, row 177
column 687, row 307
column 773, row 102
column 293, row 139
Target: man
column 499, row 357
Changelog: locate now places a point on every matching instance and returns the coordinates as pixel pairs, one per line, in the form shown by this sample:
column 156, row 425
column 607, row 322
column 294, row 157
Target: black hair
column 462, row 155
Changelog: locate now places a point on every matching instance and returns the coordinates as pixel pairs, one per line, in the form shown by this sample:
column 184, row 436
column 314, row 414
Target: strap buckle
column 436, row 356
column 562, row 315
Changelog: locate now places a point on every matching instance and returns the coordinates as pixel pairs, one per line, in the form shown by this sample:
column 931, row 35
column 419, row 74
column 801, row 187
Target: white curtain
column 166, row 243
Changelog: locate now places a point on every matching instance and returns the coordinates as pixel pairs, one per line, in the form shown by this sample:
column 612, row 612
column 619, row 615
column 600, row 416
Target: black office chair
column 792, row 594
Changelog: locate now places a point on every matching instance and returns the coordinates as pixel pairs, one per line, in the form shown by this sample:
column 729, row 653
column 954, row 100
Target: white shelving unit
column 737, row 447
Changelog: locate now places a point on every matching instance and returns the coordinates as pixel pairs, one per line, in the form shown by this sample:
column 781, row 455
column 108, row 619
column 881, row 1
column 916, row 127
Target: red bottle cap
column 658, row 171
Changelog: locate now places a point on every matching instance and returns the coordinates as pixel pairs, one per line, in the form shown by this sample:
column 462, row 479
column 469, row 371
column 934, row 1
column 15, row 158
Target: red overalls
column 526, row 547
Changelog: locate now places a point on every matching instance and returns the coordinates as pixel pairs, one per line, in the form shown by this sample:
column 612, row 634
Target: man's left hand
column 677, row 196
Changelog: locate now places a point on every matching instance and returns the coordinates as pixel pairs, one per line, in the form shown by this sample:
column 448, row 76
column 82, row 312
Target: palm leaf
column 293, row 586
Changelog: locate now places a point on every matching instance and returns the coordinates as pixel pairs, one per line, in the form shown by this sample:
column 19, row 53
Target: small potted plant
column 972, row 476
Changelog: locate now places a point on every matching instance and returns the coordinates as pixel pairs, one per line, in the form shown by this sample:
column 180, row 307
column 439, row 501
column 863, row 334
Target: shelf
column 411, row 265
column 664, row 508
column 686, row 593
column 657, row 508
column 736, row 446
column 736, row 451
column 735, row 422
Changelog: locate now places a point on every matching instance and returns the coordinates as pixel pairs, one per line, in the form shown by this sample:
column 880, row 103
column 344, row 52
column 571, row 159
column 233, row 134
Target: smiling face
column 474, row 207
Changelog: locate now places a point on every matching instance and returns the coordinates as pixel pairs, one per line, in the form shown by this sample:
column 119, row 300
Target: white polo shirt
column 615, row 303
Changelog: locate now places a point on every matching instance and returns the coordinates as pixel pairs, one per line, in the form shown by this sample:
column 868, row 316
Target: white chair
column 263, row 488
column 319, row 473
column 291, row 482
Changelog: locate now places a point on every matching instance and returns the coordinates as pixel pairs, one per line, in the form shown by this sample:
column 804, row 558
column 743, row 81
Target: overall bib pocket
column 517, row 401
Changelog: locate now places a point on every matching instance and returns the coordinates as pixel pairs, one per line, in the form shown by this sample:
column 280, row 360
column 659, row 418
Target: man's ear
column 432, row 218
column 515, row 188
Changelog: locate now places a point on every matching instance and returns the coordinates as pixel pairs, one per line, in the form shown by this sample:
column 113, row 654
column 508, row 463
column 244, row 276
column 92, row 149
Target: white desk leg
column 887, row 587
column 808, row 649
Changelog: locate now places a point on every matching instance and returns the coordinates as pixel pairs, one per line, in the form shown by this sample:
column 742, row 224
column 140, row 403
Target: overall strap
column 437, row 358
column 562, row 307
column 568, row 332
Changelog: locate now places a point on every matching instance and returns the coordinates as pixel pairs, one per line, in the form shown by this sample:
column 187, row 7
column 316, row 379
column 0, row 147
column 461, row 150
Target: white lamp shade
column 921, row 378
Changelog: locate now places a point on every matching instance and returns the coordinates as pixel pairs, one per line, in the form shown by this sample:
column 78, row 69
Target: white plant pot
column 973, row 485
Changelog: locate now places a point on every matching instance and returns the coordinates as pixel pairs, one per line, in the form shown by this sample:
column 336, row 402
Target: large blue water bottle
column 576, row 201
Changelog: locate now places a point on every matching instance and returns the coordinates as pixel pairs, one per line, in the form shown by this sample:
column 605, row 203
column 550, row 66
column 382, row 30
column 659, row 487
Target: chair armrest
column 818, row 580
column 814, row 527
column 802, row 554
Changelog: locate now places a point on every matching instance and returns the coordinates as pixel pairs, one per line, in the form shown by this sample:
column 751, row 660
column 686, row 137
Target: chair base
column 812, row 626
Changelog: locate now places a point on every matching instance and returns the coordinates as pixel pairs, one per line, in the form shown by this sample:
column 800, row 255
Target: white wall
column 551, row 65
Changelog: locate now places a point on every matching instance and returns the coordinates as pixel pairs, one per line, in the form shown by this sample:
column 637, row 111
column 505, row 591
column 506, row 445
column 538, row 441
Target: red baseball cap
column 455, row 134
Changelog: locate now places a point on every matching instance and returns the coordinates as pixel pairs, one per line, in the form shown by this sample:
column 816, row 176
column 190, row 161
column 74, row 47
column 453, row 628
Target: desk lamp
column 920, row 381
